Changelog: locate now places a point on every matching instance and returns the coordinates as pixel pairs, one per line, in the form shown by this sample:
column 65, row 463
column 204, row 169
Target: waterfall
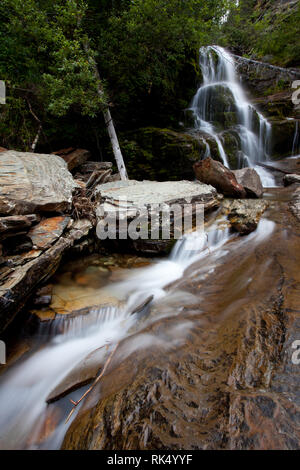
column 220, row 108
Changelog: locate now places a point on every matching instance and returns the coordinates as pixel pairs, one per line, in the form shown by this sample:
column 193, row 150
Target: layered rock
column 21, row 274
column 32, row 182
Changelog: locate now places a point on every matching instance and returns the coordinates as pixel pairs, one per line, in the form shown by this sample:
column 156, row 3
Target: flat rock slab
column 31, row 182
column 138, row 194
column 48, row 231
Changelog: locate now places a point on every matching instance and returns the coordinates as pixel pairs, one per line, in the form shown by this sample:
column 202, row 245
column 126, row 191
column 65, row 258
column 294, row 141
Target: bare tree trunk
column 34, row 143
column 109, row 124
column 115, row 144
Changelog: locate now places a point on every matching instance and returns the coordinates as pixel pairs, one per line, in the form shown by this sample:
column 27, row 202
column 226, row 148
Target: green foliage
column 146, row 51
column 278, row 35
column 265, row 29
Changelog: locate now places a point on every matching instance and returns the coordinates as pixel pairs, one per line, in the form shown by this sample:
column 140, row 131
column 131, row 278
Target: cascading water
column 221, row 111
column 25, row 387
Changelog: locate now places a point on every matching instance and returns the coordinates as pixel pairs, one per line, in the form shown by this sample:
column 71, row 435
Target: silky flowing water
column 25, row 386
column 252, row 129
column 27, row 421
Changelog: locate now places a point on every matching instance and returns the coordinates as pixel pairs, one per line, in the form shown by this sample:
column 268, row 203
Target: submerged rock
column 244, row 215
column 31, row 182
column 211, row 172
column 250, row 180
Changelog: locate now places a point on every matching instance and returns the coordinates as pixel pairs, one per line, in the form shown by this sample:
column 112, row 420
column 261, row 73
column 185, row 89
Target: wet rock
column 283, row 134
column 73, row 157
column 48, row 231
column 2, row 149
column 217, row 175
column 85, row 372
column 231, row 382
column 250, row 180
column 32, row 182
column 285, row 166
column 244, row 215
column 291, row 179
column 25, row 272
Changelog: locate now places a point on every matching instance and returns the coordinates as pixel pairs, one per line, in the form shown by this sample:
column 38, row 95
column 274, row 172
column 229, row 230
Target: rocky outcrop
column 244, row 215
column 250, row 180
column 260, row 77
column 211, row 172
column 32, row 182
column 284, row 133
column 21, row 274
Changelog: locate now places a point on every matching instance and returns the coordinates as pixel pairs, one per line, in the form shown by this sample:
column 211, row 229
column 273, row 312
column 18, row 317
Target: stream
column 183, row 357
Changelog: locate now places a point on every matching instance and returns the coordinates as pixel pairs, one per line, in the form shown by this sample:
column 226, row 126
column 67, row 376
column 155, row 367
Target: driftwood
column 76, row 403
column 97, row 177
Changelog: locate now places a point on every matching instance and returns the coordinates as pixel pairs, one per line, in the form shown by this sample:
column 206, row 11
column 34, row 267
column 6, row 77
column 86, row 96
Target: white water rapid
column 26, row 385
column 223, row 113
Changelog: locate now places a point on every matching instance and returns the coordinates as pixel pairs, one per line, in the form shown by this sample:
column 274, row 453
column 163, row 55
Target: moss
column 161, row 154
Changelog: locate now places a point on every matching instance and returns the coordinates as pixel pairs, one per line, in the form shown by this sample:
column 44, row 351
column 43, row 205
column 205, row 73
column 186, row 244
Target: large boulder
column 31, row 182
column 211, row 172
column 250, row 180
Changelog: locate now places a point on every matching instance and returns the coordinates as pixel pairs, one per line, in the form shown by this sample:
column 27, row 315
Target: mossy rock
column 232, row 145
column 283, row 133
column 161, row 154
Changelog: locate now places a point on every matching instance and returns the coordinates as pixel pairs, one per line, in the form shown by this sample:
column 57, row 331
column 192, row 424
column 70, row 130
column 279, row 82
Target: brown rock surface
column 211, row 172
column 231, row 384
